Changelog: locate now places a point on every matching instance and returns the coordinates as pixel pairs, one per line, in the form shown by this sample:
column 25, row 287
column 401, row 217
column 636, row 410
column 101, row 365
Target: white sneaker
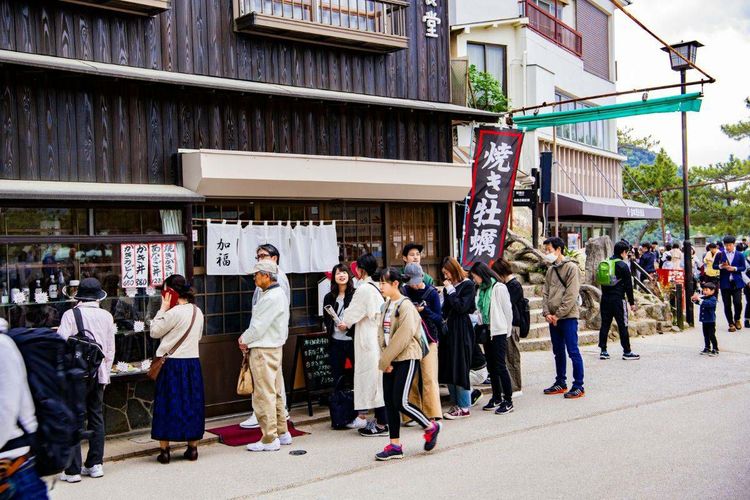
column 274, row 445
column 286, row 439
column 250, row 423
column 357, row 423
column 94, row 471
column 73, row 478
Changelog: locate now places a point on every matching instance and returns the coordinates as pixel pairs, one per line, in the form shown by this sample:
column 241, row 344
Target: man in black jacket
column 613, row 304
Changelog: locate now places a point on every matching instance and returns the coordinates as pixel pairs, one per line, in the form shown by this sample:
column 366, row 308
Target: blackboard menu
column 315, row 361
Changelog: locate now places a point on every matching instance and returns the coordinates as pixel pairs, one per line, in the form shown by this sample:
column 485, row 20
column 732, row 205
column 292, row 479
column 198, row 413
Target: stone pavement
column 672, row 425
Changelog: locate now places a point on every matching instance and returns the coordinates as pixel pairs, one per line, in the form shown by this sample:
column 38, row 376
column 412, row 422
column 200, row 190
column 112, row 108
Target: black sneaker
column 575, row 393
column 373, row 430
column 491, row 405
column 604, row 355
column 630, row 356
column 389, row 453
column 505, row 407
column 476, row 395
column 431, row 435
column 555, row 389
column 487, row 381
column 713, row 353
column 705, row 352
column 747, row 323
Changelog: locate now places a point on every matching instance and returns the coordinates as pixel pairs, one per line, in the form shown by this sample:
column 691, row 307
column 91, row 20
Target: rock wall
column 597, row 250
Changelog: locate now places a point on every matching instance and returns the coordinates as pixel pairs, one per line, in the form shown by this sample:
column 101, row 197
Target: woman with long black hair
column 341, row 345
column 496, row 311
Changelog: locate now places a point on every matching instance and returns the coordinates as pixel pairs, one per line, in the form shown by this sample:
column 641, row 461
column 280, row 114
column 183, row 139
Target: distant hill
column 636, row 155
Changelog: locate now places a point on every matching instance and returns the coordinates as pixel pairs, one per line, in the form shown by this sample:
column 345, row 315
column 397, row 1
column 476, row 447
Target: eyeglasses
column 262, row 256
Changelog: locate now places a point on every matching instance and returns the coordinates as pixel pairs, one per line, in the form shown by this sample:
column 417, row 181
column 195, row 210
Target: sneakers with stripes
column 555, row 389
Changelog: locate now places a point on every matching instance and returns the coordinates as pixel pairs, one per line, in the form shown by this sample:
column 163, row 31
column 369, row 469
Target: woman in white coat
column 364, row 312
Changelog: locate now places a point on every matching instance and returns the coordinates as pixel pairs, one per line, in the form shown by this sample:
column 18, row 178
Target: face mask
column 550, row 257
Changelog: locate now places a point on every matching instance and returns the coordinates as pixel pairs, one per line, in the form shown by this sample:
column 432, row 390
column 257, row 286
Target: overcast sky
column 723, row 26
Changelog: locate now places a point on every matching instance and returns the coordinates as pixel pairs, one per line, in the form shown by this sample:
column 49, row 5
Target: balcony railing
column 376, row 25
column 551, row 27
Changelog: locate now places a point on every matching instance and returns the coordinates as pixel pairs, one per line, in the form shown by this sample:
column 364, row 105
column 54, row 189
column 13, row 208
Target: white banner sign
column 222, row 249
column 156, row 261
column 141, row 265
column 127, row 265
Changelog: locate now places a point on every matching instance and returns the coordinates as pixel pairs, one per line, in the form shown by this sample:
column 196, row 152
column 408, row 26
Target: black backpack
column 341, row 405
column 521, row 311
column 45, row 354
column 85, row 355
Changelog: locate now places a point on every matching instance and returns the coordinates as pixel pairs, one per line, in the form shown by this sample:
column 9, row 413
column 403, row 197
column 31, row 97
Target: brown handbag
column 245, row 380
column 158, row 362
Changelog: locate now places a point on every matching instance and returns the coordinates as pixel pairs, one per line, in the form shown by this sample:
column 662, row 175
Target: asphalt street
column 671, row 425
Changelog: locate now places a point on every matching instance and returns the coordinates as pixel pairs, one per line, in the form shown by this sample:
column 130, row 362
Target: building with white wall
column 543, row 51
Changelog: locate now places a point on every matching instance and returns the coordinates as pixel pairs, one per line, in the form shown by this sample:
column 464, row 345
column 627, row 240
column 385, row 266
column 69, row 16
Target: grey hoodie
column 561, row 296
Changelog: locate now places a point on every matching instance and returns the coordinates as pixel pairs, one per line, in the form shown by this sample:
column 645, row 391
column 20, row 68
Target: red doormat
column 234, row 435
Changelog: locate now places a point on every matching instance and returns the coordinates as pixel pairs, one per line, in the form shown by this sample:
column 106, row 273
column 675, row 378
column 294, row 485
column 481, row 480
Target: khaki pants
column 513, row 359
column 429, row 399
column 268, row 401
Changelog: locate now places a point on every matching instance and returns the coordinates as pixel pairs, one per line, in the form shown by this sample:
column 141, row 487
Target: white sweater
column 16, row 404
column 269, row 324
column 501, row 311
column 170, row 326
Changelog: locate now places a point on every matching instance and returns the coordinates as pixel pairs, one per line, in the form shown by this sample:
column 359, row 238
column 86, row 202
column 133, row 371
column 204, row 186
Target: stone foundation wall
column 128, row 405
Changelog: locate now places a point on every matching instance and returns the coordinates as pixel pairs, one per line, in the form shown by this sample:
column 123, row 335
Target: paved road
column 672, row 425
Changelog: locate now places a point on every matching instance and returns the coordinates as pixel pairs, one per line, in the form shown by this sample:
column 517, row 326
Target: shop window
column 360, row 230
column 43, row 221
column 416, row 223
column 590, row 133
column 490, row 59
column 127, row 221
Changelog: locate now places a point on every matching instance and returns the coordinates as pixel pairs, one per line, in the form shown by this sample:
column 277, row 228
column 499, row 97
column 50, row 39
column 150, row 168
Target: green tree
column 739, row 130
column 720, row 196
column 486, row 91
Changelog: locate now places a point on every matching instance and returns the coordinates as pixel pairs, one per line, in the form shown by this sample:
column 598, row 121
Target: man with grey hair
column 264, row 340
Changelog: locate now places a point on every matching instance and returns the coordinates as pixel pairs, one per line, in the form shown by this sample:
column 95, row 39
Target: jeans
column 496, row 351
column 339, row 352
column 709, row 336
column 95, row 425
column 461, row 397
column 396, row 386
column 564, row 337
column 732, row 297
column 617, row 310
column 24, row 484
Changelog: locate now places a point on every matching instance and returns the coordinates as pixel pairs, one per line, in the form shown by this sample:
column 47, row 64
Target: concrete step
column 544, row 344
column 536, row 316
column 534, row 302
column 532, row 291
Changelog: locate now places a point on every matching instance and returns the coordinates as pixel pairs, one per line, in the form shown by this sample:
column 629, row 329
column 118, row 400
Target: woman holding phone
column 336, row 301
column 178, row 403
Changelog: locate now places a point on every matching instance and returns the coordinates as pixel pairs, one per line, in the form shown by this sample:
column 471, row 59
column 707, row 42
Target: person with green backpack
column 616, row 281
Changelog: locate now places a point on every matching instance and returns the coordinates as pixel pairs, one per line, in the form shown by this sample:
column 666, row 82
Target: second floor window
column 590, row 133
column 490, row 59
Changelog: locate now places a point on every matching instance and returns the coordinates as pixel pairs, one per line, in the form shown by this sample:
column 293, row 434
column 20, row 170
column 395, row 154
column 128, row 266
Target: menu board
column 316, row 364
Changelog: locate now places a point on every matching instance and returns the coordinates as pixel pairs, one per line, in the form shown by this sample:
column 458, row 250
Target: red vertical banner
column 127, row 265
column 156, row 263
column 494, row 171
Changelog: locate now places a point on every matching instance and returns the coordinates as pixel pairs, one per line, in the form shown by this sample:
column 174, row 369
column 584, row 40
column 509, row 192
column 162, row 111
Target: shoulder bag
column 158, row 361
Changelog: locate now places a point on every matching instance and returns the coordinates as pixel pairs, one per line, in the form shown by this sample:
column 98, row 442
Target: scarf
column 483, row 300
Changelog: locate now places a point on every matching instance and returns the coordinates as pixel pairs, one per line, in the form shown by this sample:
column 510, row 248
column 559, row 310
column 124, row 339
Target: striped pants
column 396, row 386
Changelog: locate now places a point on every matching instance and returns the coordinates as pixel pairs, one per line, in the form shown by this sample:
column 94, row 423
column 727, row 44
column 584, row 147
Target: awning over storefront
column 683, row 102
column 574, row 205
column 239, row 174
column 95, row 191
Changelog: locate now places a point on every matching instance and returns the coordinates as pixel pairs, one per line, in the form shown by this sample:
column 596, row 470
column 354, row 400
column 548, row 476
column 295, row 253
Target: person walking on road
column 179, row 413
column 731, row 266
column 264, row 340
column 613, row 304
column 363, row 311
column 91, row 318
column 560, row 309
column 399, row 336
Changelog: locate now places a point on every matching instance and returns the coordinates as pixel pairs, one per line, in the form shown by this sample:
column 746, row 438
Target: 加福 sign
column 494, row 174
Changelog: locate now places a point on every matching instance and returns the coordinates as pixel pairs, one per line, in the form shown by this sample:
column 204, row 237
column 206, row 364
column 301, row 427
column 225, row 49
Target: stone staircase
column 538, row 339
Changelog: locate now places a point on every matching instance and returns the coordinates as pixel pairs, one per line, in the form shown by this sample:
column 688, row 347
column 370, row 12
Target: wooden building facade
column 100, row 101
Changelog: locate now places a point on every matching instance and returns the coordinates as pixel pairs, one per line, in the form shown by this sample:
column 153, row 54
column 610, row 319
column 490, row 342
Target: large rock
column 536, row 278
column 597, row 250
column 521, row 267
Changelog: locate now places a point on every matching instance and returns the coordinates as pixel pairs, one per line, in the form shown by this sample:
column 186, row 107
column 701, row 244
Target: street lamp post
column 688, row 51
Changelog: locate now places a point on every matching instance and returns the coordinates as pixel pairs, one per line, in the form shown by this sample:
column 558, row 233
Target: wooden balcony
column 551, row 27
column 371, row 25
column 140, row 7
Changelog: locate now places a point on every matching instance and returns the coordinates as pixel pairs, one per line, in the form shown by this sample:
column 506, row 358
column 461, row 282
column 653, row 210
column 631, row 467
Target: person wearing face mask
column 560, row 309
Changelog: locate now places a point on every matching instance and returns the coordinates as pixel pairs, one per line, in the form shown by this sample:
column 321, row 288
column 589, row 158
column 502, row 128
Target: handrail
column 634, row 263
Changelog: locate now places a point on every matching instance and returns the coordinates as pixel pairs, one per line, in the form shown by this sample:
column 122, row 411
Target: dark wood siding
column 197, row 36
column 59, row 127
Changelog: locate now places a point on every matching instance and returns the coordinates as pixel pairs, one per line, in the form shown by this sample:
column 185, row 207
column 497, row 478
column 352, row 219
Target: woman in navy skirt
column 178, row 403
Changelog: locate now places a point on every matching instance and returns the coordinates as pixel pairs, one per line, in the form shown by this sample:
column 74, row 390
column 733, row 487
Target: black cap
column 90, row 290
column 411, row 246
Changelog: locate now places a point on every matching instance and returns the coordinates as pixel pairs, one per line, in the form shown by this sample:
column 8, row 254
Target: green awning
column 682, row 102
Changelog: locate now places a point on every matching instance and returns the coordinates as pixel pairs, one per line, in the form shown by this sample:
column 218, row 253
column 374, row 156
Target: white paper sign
column 222, row 249
column 141, row 265
column 127, row 265
column 156, row 261
column 169, row 252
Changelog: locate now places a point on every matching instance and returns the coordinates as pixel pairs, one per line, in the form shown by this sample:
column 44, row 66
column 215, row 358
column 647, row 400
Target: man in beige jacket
column 264, row 339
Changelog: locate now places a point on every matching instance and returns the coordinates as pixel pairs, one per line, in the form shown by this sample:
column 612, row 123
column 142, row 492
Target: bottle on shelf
column 4, row 298
column 38, row 288
column 52, row 290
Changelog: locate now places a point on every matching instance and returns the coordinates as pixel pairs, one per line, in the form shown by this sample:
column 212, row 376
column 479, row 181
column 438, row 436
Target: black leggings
column 709, row 335
column 396, row 386
column 495, row 350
